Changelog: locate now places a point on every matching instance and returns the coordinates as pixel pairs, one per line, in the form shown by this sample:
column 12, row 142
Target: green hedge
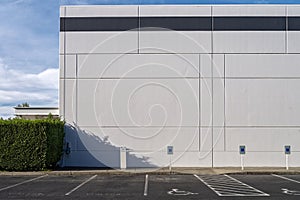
column 30, row 144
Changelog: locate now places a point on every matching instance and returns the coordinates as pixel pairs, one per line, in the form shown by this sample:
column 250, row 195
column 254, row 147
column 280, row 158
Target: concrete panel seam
column 224, row 103
column 64, row 53
column 212, row 92
column 76, row 96
column 199, row 100
column 191, row 53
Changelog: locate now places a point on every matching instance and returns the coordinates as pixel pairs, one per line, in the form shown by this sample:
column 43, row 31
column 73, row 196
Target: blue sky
column 29, row 47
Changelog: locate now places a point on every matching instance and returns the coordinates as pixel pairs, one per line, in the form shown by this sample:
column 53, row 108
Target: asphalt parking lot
column 143, row 186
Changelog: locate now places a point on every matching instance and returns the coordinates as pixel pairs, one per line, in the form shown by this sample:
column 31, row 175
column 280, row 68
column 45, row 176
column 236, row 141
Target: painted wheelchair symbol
column 290, row 192
column 180, row 192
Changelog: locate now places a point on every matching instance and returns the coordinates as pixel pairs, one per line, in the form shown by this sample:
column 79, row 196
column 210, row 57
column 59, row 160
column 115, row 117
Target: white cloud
column 6, row 112
column 11, row 79
column 40, row 89
column 20, row 96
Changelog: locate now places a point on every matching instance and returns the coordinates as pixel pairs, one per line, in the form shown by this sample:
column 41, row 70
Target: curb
column 163, row 171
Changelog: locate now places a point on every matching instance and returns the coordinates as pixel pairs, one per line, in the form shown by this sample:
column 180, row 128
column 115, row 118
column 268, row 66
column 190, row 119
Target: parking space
column 112, row 187
column 7, row 181
column 177, row 186
column 141, row 186
column 227, row 186
column 39, row 187
column 275, row 185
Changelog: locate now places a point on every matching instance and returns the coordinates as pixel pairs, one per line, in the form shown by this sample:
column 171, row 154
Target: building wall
column 203, row 79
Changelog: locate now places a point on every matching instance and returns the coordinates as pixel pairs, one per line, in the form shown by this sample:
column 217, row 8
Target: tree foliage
column 30, row 144
column 23, row 105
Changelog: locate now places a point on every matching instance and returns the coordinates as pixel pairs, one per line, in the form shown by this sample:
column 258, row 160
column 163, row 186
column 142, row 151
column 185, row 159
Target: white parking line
column 11, row 186
column 86, row 181
column 229, row 186
column 282, row 177
column 146, row 185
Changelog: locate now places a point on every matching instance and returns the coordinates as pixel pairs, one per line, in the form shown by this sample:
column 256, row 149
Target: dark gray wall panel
column 177, row 23
column 98, row 23
column 249, row 24
column 294, row 24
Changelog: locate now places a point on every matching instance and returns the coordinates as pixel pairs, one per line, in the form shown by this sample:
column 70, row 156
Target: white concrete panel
column 260, row 65
column 71, row 136
column 270, row 139
column 262, row 102
column 151, row 139
column 101, row 42
column 205, row 141
column 218, row 102
column 209, row 62
column 205, row 65
column 293, row 39
column 175, row 10
column 81, row 143
column 249, row 42
column 248, row 10
column 137, row 159
column 70, row 101
column 294, row 159
column 92, row 159
column 212, row 98
column 194, row 159
column 293, row 10
column 179, row 159
column 70, row 68
column 62, row 11
column 138, row 102
column 61, row 42
column 219, row 141
column 61, row 97
column 138, row 65
column 154, row 159
column 61, row 66
column 206, row 102
column 93, row 139
column 251, row 159
column 227, row 159
column 102, row 11
column 212, row 95
column 67, row 66
column 264, row 159
column 164, row 41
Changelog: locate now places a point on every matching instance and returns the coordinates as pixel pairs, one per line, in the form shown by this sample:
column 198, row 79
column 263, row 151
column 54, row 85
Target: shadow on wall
column 89, row 150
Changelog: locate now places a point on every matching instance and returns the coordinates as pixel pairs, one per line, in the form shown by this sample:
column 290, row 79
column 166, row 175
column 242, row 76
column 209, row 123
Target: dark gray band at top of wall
column 180, row 23
column 294, row 23
column 249, row 23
